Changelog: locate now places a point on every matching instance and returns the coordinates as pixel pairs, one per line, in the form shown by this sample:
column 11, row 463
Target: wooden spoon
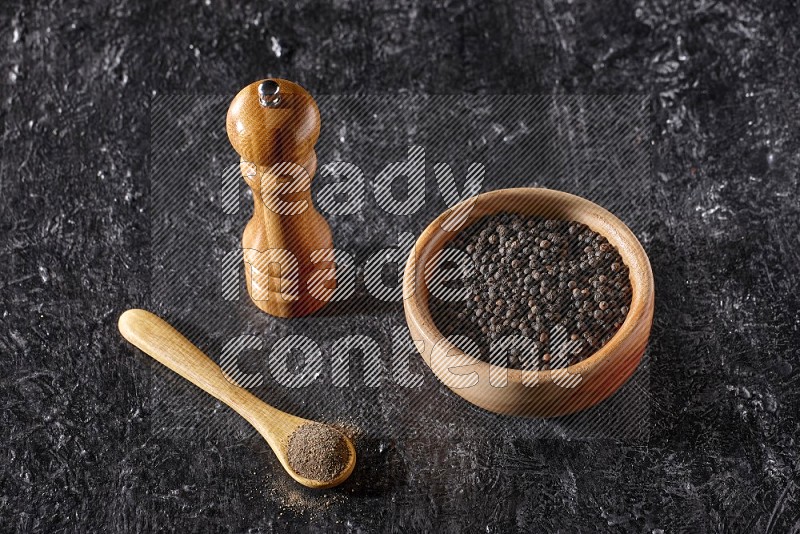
column 158, row 339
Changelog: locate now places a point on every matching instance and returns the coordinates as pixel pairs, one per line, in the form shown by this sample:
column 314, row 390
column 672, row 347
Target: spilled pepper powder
column 318, row 452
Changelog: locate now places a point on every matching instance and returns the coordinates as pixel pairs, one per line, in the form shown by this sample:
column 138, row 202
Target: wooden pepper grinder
column 288, row 247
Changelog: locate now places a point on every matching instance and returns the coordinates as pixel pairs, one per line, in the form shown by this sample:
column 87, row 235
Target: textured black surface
column 77, row 453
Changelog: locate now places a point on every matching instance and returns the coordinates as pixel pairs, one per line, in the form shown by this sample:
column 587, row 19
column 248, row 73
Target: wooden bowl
column 526, row 392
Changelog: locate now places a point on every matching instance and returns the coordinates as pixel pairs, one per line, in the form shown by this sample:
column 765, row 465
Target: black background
column 77, row 451
column 519, row 140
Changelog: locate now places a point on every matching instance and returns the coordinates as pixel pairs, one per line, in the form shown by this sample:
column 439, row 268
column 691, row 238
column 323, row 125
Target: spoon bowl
column 162, row 342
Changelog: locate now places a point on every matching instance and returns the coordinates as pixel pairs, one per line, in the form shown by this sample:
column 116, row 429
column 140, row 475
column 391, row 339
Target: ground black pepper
column 557, row 283
column 317, row 451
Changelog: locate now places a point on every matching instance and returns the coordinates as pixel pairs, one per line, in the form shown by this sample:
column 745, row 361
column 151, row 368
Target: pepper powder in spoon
column 317, row 451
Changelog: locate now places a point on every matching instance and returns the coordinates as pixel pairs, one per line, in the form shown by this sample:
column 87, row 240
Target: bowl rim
column 462, row 215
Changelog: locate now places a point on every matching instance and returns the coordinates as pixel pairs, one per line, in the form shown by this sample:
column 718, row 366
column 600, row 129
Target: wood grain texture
column 163, row 343
column 283, row 241
column 531, row 393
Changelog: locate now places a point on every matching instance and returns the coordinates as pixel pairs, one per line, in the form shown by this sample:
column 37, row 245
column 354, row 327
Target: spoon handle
column 162, row 342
